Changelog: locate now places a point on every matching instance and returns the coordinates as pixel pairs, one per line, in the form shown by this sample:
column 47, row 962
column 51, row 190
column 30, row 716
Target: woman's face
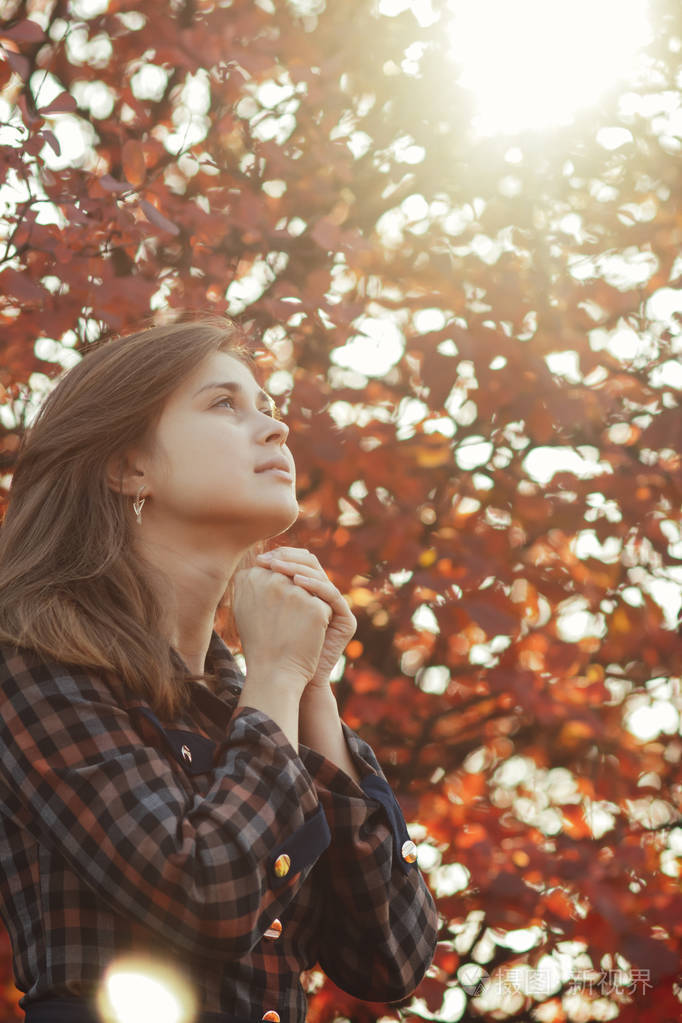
column 211, row 444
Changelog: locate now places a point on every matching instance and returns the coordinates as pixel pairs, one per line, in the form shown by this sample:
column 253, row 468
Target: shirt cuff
column 336, row 788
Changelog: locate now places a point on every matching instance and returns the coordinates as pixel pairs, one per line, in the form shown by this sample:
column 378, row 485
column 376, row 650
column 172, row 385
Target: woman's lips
column 283, row 474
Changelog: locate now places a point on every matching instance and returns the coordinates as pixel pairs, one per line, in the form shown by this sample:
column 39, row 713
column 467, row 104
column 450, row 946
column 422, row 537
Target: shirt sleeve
column 380, row 923
column 208, row 873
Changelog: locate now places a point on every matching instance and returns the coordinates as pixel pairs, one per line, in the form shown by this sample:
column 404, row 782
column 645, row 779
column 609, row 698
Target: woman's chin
column 279, row 520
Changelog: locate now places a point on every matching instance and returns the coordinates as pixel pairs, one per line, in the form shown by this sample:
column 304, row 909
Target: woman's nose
column 276, row 429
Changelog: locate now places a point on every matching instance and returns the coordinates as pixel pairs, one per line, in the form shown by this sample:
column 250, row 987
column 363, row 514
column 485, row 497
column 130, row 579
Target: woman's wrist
column 316, row 691
column 277, row 696
column 270, row 678
column 319, row 728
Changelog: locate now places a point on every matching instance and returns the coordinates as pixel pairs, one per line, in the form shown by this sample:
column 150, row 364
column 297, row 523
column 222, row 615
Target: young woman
column 161, row 812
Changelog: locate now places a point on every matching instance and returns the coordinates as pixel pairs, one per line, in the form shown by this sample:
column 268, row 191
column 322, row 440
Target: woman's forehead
column 216, row 369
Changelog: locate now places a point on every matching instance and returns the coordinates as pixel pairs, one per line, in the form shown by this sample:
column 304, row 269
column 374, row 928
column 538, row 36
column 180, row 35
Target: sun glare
column 531, row 64
column 137, row 990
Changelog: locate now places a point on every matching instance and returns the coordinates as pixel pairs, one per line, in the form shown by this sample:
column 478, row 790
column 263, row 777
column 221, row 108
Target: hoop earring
column 137, row 506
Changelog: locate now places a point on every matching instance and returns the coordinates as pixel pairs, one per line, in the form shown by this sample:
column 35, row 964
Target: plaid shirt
column 191, row 842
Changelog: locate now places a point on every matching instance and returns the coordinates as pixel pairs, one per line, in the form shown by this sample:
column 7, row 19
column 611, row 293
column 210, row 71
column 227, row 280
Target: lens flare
column 533, row 63
column 136, row 989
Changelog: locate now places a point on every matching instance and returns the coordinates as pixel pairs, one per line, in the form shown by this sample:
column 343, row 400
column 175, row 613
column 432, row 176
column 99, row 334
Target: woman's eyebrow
column 230, row 385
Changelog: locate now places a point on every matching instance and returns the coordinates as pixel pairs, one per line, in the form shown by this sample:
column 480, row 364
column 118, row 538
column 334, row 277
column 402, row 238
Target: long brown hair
column 71, row 587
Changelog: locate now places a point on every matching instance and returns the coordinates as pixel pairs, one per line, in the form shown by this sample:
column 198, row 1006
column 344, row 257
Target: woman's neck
column 191, row 585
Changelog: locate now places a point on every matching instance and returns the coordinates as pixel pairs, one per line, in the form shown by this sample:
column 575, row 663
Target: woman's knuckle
column 308, row 555
column 301, row 596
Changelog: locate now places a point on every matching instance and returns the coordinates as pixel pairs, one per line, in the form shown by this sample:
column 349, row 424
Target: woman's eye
column 270, row 410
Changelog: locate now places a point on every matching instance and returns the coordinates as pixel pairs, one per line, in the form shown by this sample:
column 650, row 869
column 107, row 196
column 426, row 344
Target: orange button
column 274, row 930
column 409, row 851
column 282, row 865
column 271, row 1016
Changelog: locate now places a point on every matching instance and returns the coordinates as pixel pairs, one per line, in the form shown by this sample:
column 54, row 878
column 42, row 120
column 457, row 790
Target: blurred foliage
column 287, row 163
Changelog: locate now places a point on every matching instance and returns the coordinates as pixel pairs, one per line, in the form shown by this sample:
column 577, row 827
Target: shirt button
column 409, row 852
column 186, row 754
column 271, row 1016
column 282, row 865
column 274, row 930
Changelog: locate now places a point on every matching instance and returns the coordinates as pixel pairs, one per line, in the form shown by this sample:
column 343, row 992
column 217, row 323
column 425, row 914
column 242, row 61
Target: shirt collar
column 221, row 661
column 217, row 703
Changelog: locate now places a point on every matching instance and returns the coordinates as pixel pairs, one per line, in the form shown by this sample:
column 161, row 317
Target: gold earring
column 137, row 505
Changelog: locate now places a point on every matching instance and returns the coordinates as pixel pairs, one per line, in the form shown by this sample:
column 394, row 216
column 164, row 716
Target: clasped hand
column 305, row 570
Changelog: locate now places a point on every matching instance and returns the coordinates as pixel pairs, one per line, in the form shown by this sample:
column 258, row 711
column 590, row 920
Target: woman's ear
column 123, row 475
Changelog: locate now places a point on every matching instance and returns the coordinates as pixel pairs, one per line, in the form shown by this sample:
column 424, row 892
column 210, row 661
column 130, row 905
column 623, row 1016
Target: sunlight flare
column 139, row 989
column 534, row 63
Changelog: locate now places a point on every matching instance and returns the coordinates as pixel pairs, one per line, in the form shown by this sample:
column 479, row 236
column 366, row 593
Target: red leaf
column 110, row 184
column 326, row 234
column 28, row 116
column 133, row 162
column 490, row 612
column 153, row 215
column 25, row 31
column 20, row 64
column 34, row 144
column 19, row 285
column 651, row 955
column 432, row 989
column 64, row 103
column 51, row 140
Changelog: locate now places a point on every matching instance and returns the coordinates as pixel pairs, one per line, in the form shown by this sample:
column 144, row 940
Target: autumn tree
column 475, row 341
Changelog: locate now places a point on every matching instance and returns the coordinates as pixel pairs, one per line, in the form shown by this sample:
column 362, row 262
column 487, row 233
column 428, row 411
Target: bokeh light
column 136, row 989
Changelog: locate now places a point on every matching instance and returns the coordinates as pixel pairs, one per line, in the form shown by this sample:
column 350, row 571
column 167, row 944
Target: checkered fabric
column 190, row 842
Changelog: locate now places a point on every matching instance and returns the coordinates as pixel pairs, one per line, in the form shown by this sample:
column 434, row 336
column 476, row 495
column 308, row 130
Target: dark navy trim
column 201, row 749
column 150, row 715
column 304, row 847
column 379, row 789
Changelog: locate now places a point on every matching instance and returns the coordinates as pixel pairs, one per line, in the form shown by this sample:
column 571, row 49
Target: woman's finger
column 328, row 592
column 297, row 554
column 317, row 583
column 320, row 586
column 291, row 567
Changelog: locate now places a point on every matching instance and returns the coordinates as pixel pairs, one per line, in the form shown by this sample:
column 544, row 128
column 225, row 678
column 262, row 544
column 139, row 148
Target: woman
column 159, row 808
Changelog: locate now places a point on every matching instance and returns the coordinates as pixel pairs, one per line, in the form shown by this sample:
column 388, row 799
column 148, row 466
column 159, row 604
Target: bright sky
column 532, row 63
